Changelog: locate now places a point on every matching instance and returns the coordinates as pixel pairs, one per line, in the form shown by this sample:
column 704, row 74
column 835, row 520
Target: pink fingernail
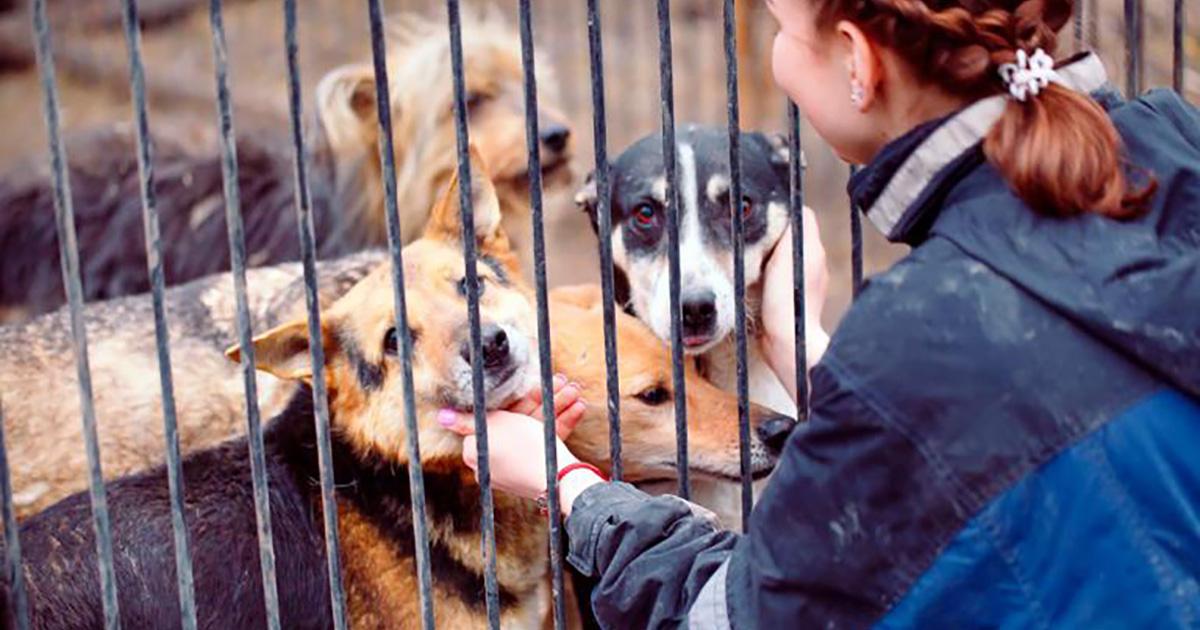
column 560, row 380
column 447, row 418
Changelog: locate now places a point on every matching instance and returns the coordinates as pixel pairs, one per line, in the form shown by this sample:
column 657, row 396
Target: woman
column 1004, row 429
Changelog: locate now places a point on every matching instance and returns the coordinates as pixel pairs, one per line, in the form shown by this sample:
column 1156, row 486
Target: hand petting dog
column 778, row 339
column 515, row 435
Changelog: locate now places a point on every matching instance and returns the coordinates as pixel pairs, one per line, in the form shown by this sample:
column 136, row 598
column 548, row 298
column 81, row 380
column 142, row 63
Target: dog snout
column 496, row 353
column 555, row 136
column 774, row 432
column 699, row 313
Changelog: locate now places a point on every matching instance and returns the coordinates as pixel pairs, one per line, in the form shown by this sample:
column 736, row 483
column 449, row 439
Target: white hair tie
column 1029, row 74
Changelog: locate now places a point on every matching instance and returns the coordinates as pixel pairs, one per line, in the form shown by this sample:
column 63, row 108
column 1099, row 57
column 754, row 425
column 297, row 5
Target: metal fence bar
column 856, row 244
column 237, row 259
column 667, row 92
column 387, row 156
column 68, row 249
column 533, row 148
column 1177, row 60
column 154, row 266
column 308, row 248
column 1133, row 48
column 739, row 262
column 483, row 470
column 14, row 576
column 796, row 201
column 604, row 223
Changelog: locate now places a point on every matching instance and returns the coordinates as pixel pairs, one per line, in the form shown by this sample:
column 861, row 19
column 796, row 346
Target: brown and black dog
column 345, row 179
column 366, row 396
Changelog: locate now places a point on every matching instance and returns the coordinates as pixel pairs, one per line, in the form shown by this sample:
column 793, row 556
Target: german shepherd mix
column 363, row 377
column 346, row 182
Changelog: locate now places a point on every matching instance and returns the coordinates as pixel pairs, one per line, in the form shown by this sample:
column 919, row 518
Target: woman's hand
column 516, row 439
column 778, row 309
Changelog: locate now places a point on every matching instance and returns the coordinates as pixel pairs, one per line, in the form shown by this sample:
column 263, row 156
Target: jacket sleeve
column 853, row 512
column 651, row 555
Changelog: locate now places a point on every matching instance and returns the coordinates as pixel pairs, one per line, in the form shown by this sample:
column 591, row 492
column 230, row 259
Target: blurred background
column 93, row 77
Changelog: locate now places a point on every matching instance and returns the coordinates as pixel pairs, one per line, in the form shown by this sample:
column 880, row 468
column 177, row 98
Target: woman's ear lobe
column 862, row 66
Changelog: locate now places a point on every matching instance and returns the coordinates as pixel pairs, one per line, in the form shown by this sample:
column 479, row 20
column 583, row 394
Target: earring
column 856, row 94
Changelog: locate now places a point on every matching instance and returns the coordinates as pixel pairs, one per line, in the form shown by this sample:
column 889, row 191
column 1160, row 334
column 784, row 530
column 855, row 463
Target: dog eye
column 462, row 285
column 747, row 207
column 474, row 99
column 645, row 215
column 391, row 340
column 656, row 395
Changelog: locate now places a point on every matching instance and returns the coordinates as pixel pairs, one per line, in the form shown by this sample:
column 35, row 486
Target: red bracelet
column 542, row 504
column 562, row 472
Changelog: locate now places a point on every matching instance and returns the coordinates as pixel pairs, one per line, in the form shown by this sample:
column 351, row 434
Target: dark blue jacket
column 1005, row 430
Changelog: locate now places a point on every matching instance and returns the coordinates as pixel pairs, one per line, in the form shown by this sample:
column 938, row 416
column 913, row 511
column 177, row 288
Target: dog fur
column 706, row 243
column 345, row 178
column 374, row 515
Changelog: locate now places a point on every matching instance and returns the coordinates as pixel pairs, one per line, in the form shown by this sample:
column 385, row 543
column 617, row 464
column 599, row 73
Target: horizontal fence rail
column 1084, row 20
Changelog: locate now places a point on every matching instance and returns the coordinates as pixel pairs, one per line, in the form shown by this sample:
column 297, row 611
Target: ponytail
column 1058, row 150
column 1061, row 154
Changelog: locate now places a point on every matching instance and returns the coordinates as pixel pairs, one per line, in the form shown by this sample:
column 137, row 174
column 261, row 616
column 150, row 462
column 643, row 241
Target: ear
column 346, row 109
column 281, row 351
column 586, row 198
column 781, row 155
column 445, row 220
column 862, row 64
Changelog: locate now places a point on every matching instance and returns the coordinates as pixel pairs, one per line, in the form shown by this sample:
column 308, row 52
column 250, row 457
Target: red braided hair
column 1059, row 150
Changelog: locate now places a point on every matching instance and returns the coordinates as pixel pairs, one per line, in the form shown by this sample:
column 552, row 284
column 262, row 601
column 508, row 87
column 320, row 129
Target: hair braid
column 1059, row 151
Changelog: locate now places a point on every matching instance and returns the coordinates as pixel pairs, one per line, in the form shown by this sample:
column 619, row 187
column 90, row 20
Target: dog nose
column 555, row 137
column 774, row 432
column 699, row 312
column 495, row 347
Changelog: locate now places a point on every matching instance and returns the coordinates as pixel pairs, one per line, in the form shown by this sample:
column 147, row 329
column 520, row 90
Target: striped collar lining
column 956, row 135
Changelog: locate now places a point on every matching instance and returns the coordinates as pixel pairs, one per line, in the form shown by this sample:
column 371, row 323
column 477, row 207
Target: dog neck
column 375, row 525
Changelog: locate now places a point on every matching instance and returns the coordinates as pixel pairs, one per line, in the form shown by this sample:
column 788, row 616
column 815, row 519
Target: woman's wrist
column 572, row 485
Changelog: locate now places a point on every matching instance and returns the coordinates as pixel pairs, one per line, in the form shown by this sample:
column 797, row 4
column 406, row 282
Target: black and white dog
column 640, row 242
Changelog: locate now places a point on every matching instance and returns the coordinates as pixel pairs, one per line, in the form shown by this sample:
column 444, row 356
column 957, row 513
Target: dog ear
column 781, row 155
column 587, row 198
column 346, row 109
column 445, row 220
column 281, row 351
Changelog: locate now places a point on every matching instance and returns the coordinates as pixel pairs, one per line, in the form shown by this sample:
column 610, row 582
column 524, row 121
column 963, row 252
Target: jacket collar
column 901, row 190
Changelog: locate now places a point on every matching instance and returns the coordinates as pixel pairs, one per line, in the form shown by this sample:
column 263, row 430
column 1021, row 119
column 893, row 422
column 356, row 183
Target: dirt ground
column 93, row 80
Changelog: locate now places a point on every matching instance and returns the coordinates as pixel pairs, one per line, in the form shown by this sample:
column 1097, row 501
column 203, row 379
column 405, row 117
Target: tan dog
column 345, row 178
column 423, row 123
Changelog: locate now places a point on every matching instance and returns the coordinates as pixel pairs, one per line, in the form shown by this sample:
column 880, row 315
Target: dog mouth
column 699, row 344
column 759, row 470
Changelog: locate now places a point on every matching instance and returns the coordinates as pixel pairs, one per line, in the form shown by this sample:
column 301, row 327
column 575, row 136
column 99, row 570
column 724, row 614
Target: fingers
column 457, row 421
column 470, row 452
column 566, row 420
column 531, row 403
